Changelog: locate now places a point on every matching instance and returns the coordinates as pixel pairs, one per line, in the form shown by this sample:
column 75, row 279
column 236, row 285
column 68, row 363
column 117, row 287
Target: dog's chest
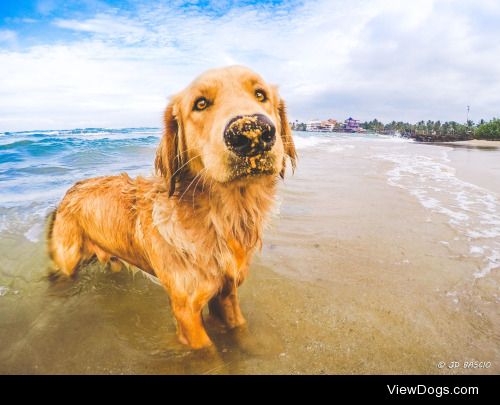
column 202, row 243
column 166, row 221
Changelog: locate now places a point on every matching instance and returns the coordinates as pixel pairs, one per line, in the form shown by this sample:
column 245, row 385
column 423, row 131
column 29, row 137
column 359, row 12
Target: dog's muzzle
column 250, row 135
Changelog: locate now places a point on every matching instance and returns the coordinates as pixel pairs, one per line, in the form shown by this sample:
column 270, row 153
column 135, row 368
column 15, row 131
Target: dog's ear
column 286, row 137
column 167, row 161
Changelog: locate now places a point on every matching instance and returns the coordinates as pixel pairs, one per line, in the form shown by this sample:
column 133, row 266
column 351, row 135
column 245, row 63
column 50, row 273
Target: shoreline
column 472, row 143
column 476, row 142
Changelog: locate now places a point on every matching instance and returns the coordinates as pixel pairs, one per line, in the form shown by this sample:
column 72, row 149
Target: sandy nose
column 249, row 135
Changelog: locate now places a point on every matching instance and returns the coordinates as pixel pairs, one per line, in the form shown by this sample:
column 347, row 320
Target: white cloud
column 8, row 36
column 387, row 59
column 108, row 27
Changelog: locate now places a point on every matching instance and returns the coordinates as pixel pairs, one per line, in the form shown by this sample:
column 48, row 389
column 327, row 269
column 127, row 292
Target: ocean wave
column 307, row 142
column 14, row 140
column 16, row 144
column 6, row 157
column 27, row 220
column 472, row 211
column 33, row 234
column 35, row 171
column 38, row 167
column 42, row 144
column 394, row 139
column 339, row 148
column 81, row 131
column 43, row 194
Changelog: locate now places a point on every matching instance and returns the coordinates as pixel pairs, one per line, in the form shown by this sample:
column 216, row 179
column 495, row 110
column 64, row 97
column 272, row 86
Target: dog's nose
column 249, row 135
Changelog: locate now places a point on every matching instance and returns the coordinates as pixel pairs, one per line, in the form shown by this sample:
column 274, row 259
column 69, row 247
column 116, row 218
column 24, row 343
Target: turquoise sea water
column 37, row 167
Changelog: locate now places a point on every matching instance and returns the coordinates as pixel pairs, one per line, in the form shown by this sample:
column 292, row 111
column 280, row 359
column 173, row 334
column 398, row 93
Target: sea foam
column 473, row 212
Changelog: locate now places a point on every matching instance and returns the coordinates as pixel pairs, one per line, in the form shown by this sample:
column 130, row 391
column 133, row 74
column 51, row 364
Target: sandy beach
column 381, row 256
column 477, row 143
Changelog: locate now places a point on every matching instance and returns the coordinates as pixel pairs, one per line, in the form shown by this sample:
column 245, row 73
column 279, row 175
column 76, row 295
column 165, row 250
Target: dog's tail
column 50, row 227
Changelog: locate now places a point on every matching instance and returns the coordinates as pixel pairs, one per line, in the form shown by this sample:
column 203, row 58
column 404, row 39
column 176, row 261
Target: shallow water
column 382, row 256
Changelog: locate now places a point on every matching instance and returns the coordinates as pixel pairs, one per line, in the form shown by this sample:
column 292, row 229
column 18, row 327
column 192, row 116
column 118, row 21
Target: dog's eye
column 260, row 95
column 200, row 104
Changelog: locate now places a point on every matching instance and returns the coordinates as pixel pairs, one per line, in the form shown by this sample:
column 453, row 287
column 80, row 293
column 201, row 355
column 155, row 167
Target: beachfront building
column 321, row 126
column 351, row 125
column 333, row 124
column 313, row 126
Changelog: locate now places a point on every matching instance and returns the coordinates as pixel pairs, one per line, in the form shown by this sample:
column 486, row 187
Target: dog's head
column 228, row 124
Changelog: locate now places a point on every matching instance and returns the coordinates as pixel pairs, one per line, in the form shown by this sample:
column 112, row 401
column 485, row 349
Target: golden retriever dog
column 197, row 223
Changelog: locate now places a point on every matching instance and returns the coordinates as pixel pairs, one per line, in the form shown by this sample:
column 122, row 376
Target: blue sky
column 91, row 63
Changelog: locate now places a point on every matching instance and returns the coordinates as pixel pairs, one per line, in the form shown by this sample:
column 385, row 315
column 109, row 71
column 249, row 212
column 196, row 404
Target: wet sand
column 354, row 278
column 478, row 142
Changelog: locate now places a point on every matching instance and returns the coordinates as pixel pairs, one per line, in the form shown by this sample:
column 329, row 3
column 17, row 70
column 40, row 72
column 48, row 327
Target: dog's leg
column 226, row 307
column 189, row 291
column 115, row 265
column 66, row 244
column 101, row 255
column 187, row 312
